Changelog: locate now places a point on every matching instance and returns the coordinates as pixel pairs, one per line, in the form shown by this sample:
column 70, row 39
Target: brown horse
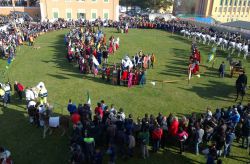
column 63, row 123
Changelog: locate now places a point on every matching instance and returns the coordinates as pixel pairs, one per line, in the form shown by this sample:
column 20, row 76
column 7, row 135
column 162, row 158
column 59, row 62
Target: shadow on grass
column 180, row 38
column 163, row 156
column 215, row 90
column 70, row 69
column 240, row 158
column 25, row 141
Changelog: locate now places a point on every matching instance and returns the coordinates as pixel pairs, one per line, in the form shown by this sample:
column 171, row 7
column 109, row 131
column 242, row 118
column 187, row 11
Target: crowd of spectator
column 19, row 3
column 106, row 130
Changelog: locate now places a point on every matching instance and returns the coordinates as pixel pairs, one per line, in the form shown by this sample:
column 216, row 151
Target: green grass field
column 63, row 81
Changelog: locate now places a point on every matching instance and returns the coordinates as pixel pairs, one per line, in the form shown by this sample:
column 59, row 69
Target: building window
column 94, row 0
column 215, row 9
column 106, row 1
column 93, row 14
column 231, row 2
column 248, row 9
column 229, row 9
column 81, row 14
column 105, row 14
column 221, row 2
column 225, row 9
column 240, row 2
column 55, row 13
column 238, row 9
column 235, row 2
column 248, row 2
column 220, row 9
column 68, row 13
column 244, row 3
column 226, row 2
column 234, row 9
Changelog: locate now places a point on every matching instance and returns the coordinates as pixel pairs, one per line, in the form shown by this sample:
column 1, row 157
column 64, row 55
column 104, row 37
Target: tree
column 125, row 3
column 159, row 4
column 151, row 4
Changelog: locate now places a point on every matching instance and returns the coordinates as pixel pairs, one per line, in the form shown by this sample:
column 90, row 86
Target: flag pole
column 189, row 75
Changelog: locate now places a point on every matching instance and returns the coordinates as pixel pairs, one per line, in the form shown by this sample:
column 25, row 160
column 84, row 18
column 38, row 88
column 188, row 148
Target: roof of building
column 239, row 24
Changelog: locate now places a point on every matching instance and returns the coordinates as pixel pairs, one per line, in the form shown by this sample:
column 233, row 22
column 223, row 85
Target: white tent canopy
column 167, row 17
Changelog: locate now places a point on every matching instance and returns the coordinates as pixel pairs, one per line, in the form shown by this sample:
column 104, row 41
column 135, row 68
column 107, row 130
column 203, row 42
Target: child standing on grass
column 222, row 69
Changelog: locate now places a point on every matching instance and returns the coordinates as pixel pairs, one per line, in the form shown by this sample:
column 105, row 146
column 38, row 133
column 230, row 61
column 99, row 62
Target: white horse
column 204, row 39
column 192, row 34
column 185, row 33
column 238, row 48
column 188, row 34
column 33, row 93
column 198, row 36
column 231, row 46
column 245, row 50
column 224, row 44
column 208, row 38
column 219, row 42
column 212, row 40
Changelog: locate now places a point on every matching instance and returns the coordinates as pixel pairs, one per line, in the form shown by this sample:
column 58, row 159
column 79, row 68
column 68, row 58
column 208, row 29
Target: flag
column 95, row 61
column 88, row 99
column 211, row 57
column 189, row 74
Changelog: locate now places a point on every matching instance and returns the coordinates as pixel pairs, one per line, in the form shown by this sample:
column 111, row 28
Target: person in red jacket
column 156, row 137
column 19, row 88
column 182, row 136
column 98, row 110
column 173, row 128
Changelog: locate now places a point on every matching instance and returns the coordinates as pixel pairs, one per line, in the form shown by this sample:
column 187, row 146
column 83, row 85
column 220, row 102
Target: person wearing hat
column 43, row 94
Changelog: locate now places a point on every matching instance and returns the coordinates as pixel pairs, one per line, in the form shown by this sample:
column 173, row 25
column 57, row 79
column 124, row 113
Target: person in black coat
column 246, row 132
column 241, row 84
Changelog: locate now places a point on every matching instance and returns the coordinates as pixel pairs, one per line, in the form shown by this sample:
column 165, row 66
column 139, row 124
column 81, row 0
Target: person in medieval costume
column 43, row 93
